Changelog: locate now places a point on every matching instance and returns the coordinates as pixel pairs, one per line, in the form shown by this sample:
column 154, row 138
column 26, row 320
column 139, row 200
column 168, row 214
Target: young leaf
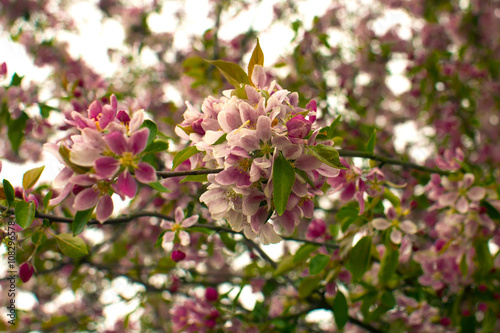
column 370, row 146
column 304, row 251
column 153, row 129
column 388, row 265
column 15, row 131
column 340, row 310
column 327, row 155
column 80, row 221
column 283, row 179
column 159, row 187
column 233, row 73
column 25, row 213
column 256, row 59
column 71, row 246
column 359, row 259
column 195, row 178
column 228, row 241
column 30, row 177
column 308, row 285
column 16, row 80
column 9, row 192
column 156, row 146
column 318, row 263
column 184, row 155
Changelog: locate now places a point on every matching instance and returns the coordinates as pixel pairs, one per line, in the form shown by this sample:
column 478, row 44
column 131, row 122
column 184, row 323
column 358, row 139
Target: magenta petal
column 94, row 110
column 64, row 193
column 116, row 142
column 227, row 177
column 126, row 184
column 348, row 192
column 145, row 173
column 104, row 208
column 86, row 199
column 106, row 167
column 106, row 116
column 138, row 141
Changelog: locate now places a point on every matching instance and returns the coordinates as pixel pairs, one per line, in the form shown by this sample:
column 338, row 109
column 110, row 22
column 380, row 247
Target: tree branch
column 342, row 152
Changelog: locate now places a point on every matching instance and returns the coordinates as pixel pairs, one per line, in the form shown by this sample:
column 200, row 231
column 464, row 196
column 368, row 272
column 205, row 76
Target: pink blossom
column 178, row 227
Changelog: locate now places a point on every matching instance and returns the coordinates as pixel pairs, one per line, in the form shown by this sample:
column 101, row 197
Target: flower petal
column 190, row 221
column 104, row 208
column 106, row 167
column 396, row 236
column 145, row 173
column 476, row 193
column 381, row 224
column 116, row 142
column 408, row 227
column 126, row 185
column 86, row 199
column 138, row 141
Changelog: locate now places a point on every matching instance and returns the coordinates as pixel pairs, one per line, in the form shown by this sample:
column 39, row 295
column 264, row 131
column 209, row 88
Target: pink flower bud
column 3, row 69
column 26, row 271
column 210, row 323
column 211, row 294
column 445, row 321
column 298, row 127
column 196, row 126
column 123, row 117
column 178, row 255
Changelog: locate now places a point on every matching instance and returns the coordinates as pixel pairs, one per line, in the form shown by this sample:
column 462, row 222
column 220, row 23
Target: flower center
column 243, row 165
column 127, row 159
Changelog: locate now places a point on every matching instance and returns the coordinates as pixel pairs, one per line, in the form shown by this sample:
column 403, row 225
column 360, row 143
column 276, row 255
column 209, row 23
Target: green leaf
column 283, row 179
column 370, row 146
column 388, row 265
column 483, row 256
column 45, row 110
column 25, row 213
column 153, row 130
column 30, row 177
column 156, row 146
column 491, row 211
column 46, row 199
column 304, row 251
column 195, row 178
column 327, row 133
column 15, row 131
column 304, row 175
column 183, row 155
column 284, row 266
column 16, row 80
column 65, row 152
column 340, row 310
column 308, row 285
column 256, row 59
column 220, row 140
column 159, row 187
column 359, row 258
column 393, row 199
column 10, row 194
column 346, row 216
column 159, row 240
column 80, row 221
column 327, row 155
column 228, row 241
column 233, row 73
column 318, row 263
column 71, row 246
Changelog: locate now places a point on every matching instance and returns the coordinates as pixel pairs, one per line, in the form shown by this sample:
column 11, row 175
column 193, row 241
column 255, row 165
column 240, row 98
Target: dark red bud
column 211, row 294
column 178, row 256
column 26, row 271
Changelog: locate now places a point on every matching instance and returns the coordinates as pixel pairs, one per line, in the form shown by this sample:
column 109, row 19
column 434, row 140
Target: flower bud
column 26, row 271
column 178, row 255
column 211, row 294
column 298, row 127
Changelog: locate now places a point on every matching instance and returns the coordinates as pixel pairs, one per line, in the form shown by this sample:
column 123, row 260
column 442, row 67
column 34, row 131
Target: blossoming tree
column 303, row 153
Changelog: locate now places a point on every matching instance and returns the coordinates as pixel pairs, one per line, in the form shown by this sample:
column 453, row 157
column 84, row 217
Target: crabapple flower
column 461, row 194
column 178, row 228
column 398, row 228
column 245, row 136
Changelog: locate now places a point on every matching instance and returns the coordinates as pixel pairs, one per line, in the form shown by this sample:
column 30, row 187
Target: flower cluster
column 256, row 134
column 105, row 158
